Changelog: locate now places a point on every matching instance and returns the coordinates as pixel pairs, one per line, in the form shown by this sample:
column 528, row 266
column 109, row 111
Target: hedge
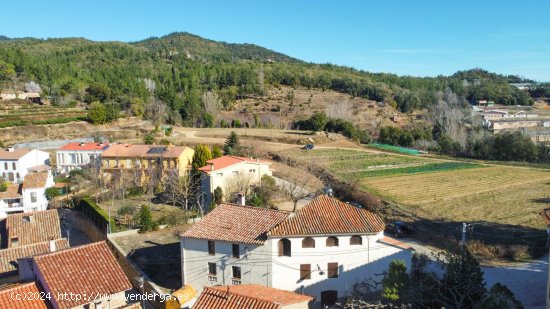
column 95, row 213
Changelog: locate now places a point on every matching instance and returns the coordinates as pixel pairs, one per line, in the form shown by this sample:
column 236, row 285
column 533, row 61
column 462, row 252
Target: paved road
column 528, row 281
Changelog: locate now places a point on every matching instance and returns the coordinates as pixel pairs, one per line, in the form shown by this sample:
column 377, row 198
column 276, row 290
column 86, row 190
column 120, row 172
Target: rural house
column 78, row 155
column 28, row 196
column 30, row 228
column 321, row 250
column 253, row 295
column 15, row 164
column 145, row 162
column 232, row 174
column 9, row 258
column 84, row 270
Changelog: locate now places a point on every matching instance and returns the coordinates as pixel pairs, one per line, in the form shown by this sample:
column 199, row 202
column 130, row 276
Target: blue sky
column 422, row 38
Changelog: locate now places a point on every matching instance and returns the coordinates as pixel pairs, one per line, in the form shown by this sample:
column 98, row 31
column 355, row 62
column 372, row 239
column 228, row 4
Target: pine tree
column 232, row 145
column 216, row 152
column 202, row 154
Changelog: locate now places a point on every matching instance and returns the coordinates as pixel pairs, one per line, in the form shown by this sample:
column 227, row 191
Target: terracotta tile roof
column 35, row 180
column 39, row 168
column 85, row 146
column 326, row 215
column 247, row 296
column 9, row 257
column 394, row 242
column 16, row 154
column 235, row 223
column 33, row 227
column 143, row 151
column 12, row 192
column 226, row 161
column 7, row 301
column 86, row 270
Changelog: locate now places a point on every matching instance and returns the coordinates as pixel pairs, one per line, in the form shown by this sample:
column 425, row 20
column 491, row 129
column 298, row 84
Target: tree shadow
column 161, row 263
column 542, row 200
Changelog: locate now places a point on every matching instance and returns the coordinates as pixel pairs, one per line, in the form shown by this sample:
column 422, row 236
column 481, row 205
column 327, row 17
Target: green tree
column 145, row 219
column 218, row 195
column 137, row 106
column 149, row 138
column 52, row 193
column 501, row 297
column 216, row 152
column 7, row 72
column 97, row 113
column 232, row 145
column 208, row 120
column 97, row 92
column 396, row 282
column 3, row 185
column 202, row 154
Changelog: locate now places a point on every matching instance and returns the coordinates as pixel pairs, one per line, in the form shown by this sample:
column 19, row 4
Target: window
column 284, row 247
column 10, row 176
column 236, row 272
column 252, row 171
column 305, row 271
column 211, row 247
column 33, row 197
column 332, row 241
column 235, row 251
column 308, row 242
column 15, row 241
column 13, row 166
column 4, row 175
column 235, row 173
column 356, row 240
column 212, row 269
column 17, row 176
column 332, row 270
column 219, row 174
column 6, row 166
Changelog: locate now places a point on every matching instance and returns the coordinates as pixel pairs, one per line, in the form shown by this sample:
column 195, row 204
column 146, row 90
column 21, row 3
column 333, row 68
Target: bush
column 149, row 138
column 97, row 113
column 145, row 219
column 218, row 195
column 95, row 213
column 136, row 191
column 3, row 185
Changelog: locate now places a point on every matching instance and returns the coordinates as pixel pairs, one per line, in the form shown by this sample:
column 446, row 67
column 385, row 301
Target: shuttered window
column 284, row 247
column 236, row 272
column 332, row 241
column 212, row 269
column 308, row 242
column 211, row 247
column 332, row 270
column 356, row 240
column 305, row 271
column 235, row 251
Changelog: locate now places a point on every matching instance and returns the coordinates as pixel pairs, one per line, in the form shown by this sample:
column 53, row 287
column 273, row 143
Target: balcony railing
column 212, row 278
column 235, row 281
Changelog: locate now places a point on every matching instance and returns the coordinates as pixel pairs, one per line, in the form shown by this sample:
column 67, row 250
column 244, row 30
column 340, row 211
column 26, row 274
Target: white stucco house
column 28, row 196
column 15, row 164
column 78, row 155
column 231, row 172
column 322, row 250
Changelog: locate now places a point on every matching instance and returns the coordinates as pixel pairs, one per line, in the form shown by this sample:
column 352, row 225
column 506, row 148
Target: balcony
column 236, row 281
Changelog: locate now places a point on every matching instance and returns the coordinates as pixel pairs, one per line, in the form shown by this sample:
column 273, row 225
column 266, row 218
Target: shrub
column 218, row 195
column 145, row 219
column 3, row 185
column 136, row 191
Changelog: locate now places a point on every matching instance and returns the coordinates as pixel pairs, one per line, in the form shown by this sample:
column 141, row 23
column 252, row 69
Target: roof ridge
column 31, row 245
column 253, row 207
column 227, row 290
column 72, row 249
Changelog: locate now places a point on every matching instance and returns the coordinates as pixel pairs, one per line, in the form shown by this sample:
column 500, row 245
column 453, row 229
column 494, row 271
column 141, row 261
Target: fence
column 55, row 144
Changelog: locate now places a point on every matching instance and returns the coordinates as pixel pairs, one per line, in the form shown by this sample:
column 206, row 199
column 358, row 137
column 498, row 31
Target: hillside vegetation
column 178, row 69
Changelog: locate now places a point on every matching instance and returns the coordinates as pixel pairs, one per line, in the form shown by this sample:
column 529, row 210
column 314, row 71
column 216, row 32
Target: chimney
column 211, row 166
column 241, row 200
column 257, row 160
column 10, row 149
column 81, row 144
column 52, row 246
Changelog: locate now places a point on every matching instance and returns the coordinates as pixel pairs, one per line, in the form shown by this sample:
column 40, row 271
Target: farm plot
column 499, row 194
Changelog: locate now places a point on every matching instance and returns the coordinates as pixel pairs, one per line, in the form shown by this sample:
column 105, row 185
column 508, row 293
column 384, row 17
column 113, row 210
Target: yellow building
column 145, row 161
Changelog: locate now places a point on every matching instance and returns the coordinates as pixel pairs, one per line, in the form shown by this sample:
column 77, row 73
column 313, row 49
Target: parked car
column 398, row 229
column 308, row 147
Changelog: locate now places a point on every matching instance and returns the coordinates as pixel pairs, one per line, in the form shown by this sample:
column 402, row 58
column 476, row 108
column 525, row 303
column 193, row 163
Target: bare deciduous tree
column 298, row 185
column 33, row 87
column 156, row 111
column 182, row 190
column 239, row 182
column 212, row 102
column 150, row 85
column 340, row 110
column 450, row 116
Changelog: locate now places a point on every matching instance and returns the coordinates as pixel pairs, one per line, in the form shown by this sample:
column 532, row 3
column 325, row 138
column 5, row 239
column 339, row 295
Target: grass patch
column 426, row 168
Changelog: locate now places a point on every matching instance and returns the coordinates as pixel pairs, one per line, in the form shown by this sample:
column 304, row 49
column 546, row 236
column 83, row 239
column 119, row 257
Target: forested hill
column 179, row 68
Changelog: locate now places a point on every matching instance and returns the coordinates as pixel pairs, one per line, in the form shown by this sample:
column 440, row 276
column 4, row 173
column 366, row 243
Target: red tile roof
column 86, row 270
column 22, row 290
column 35, row 180
column 394, row 242
column 235, row 223
column 16, row 154
column 226, row 161
column 9, row 257
column 247, row 296
column 142, row 151
column 326, row 215
column 85, row 146
column 12, row 192
column 33, row 227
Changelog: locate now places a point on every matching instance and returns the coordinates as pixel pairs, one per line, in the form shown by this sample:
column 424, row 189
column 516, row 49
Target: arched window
column 356, row 240
column 332, row 241
column 308, row 242
column 284, row 247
